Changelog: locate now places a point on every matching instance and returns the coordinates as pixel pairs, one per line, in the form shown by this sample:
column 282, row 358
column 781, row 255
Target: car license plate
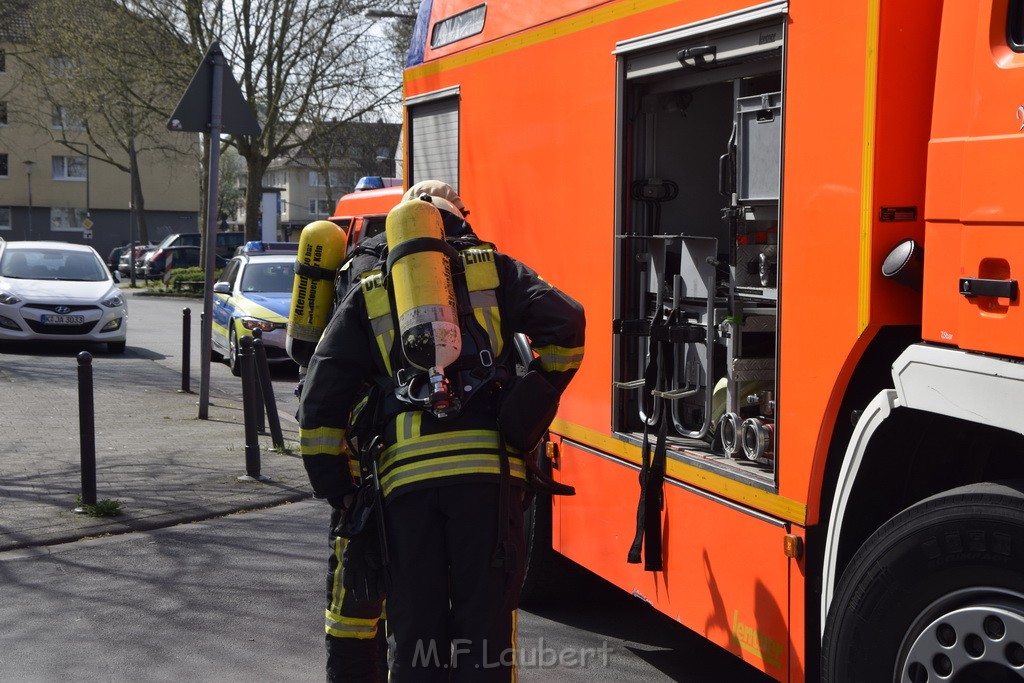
column 63, row 319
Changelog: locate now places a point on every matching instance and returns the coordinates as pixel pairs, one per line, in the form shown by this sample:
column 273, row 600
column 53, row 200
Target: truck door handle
column 971, row 287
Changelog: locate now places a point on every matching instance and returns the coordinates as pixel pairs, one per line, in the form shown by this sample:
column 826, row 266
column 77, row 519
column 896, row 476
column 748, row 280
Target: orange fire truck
column 797, row 231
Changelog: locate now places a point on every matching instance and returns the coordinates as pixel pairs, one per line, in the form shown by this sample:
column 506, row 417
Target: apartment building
column 51, row 191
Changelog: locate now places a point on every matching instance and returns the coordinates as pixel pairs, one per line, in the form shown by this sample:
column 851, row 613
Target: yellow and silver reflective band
column 337, row 587
column 378, row 310
column 349, row 627
column 559, row 358
column 322, row 441
column 482, row 280
column 417, row 458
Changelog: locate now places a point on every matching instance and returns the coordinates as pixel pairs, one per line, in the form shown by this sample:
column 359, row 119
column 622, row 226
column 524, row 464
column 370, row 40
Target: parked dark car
column 123, row 262
column 227, row 242
column 159, row 262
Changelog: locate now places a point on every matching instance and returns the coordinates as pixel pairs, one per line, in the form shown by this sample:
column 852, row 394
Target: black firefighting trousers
column 356, row 645
column 451, row 610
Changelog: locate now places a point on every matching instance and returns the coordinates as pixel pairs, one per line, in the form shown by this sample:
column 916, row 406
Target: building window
column 316, row 179
column 66, row 220
column 60, row 118
column 62, row 66
column 69, row 168
column 3, row 113
column 3, row 166
column 5, row 218
column 325, row 207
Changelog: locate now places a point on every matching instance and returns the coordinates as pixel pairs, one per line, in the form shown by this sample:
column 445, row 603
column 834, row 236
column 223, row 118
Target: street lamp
column 28, row 172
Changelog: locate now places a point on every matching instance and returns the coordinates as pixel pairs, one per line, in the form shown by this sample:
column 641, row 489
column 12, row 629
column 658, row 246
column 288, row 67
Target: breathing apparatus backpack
column 438, row 297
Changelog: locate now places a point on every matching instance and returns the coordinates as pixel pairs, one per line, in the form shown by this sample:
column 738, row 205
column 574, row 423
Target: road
column 240, row 597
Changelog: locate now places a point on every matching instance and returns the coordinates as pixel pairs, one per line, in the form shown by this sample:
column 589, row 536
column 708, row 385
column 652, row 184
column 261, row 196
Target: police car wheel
column 233, row 361
column 937, row 593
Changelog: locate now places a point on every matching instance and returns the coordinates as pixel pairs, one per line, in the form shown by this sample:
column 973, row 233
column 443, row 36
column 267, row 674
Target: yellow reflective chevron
column 322, row 441
column 559, row 358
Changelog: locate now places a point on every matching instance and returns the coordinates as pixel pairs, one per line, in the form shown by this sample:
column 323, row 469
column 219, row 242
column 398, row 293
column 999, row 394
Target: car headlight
column 254, row 323
column 114, row 300
column 8, row 298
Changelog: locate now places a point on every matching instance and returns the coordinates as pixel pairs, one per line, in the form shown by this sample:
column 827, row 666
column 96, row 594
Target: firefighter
column 452, row 486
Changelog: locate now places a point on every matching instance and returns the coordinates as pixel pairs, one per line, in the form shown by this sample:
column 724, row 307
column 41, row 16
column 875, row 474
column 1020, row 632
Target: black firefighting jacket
column 421, row 449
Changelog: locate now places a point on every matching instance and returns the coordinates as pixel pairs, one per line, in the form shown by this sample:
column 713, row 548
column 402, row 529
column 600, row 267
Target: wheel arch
column 910, row 443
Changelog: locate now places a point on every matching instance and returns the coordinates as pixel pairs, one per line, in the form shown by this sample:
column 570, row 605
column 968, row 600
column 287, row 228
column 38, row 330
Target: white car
column 61, row 292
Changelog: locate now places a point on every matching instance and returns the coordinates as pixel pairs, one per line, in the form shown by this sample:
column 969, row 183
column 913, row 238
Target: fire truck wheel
column 937, row 593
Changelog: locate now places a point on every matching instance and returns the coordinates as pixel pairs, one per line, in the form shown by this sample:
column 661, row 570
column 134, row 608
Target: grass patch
column 102, row 508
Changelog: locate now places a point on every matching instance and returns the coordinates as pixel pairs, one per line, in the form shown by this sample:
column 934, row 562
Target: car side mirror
column 222, row 288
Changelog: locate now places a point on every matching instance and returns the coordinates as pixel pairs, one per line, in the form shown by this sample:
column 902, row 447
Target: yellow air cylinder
column 322, row 247
column 424, row 294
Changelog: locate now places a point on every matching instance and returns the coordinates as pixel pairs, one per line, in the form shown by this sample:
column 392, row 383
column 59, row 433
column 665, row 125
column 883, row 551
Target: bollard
column 267, row 390
column 261, row 425
column 87, row 429
column 186, row 348
column 249, row 401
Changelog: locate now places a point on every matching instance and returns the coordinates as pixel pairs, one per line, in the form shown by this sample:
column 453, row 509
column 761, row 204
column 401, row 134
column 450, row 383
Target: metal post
column 249, row 399
column 87, row 428
column 267, row 389
column 210, row 230
column 186, row 348
column 261, row 423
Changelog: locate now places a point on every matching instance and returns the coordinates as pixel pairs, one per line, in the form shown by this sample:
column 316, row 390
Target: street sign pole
column 213, row 104
column 213, row 187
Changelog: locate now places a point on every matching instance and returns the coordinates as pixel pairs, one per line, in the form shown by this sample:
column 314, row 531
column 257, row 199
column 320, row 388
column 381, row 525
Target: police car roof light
column 261, row 247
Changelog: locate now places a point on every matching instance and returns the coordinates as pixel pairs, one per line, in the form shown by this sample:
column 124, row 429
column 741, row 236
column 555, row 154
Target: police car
column 254, row 292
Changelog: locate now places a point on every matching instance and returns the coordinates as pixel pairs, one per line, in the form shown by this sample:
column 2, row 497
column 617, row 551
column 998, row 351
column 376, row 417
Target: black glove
column 362, row 570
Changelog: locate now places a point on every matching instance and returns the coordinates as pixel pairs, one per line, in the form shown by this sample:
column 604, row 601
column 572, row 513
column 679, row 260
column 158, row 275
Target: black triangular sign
column 193, row 113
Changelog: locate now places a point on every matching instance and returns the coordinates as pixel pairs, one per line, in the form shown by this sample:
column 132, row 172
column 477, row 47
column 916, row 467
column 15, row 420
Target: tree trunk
column 257, row 167
column 138, row 201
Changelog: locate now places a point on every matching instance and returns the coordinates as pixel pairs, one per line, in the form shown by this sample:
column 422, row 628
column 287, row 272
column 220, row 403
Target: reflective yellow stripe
column 867, row 213
column 337, row 589
column 349, row 627
column 451, row 466
column 375, row 294
column 559, row 358
column 481, row 272
column 410, row 444
column 321, row 441
column 485, row 310
column 384, row 333
column 515, row 646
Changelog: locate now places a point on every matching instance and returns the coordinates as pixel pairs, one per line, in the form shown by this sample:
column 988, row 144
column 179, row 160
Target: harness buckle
column 486, row 358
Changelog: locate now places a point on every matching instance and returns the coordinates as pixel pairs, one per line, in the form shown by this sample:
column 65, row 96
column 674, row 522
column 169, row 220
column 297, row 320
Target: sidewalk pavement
column 153, row 455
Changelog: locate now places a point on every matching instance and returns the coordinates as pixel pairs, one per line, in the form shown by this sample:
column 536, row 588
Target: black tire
column 116, row 347
column 537, row 526
column 935, row 594
column 234, row 362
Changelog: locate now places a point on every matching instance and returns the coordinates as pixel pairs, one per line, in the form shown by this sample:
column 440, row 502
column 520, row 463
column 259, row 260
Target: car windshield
column 52, row 264
column 268, row 277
